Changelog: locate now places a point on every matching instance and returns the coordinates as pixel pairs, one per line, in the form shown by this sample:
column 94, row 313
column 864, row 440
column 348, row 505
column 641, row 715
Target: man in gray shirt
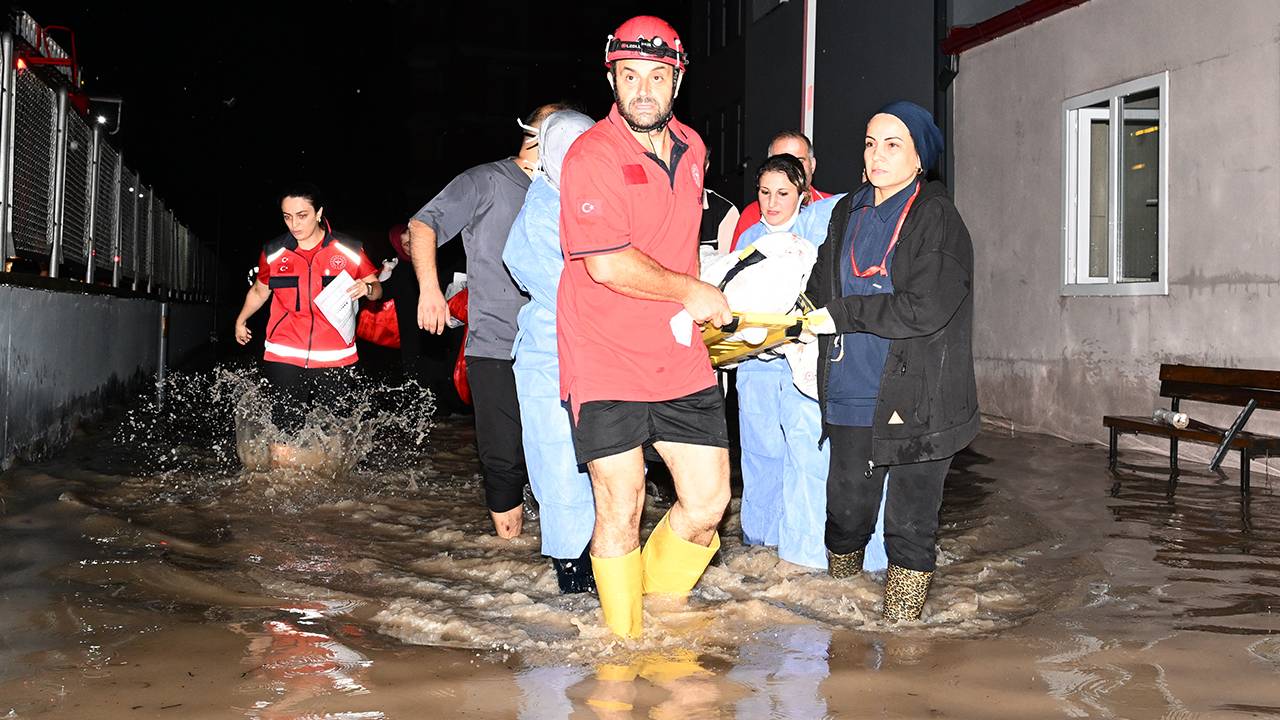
column 482, row 204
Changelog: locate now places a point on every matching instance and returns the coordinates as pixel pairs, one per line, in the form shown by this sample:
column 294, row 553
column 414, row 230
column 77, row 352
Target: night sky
column 379, row 102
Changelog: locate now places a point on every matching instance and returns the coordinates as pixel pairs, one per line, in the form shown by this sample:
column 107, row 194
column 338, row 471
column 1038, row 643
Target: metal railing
column 68, row 197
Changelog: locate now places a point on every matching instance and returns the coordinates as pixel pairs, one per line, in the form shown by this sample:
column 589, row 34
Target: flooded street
column 199, row 590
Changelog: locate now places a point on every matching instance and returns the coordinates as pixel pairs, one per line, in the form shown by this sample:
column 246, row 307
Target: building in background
column 1117, row 165
column 1115, row 160
column 754, row 59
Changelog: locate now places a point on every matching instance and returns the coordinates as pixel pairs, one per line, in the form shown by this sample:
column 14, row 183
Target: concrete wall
column 67, row 355
column 1057, row 364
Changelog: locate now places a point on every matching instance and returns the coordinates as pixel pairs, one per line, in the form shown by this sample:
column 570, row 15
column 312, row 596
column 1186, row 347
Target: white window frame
column 1077, row 112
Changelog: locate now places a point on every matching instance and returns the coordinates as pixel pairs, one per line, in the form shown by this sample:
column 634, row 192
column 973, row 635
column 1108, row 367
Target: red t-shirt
column 616, row 195
column 751, row 215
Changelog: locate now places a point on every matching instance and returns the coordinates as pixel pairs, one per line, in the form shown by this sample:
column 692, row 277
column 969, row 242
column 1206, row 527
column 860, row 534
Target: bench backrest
column 1225, row 386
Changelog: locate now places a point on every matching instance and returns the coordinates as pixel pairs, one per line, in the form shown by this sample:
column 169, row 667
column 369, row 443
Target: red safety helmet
column 645, row 37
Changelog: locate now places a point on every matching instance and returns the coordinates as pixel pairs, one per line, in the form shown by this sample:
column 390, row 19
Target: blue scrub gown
column 784, row 471
column 561, row 486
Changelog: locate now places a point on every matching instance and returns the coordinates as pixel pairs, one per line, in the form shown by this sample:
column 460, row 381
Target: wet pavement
column 193, row 589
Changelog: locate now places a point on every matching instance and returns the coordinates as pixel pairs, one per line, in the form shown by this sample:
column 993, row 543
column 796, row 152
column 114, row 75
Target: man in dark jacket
column 895, row 378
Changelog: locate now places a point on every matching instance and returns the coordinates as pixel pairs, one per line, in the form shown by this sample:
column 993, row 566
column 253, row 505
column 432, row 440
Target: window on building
column 1115, row 215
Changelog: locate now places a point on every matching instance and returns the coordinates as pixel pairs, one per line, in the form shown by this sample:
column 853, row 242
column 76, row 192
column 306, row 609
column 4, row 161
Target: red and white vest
column 297, row 332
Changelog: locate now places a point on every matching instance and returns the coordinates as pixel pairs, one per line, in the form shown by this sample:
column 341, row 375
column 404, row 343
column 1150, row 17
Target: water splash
column 214, row 432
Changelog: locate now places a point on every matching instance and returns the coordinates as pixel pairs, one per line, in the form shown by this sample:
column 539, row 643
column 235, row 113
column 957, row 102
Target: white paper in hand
column 336, row 307
column 682, row 327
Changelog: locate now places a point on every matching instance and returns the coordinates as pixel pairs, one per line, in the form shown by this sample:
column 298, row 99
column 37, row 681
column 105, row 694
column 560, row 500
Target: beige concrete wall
column 1057, row 364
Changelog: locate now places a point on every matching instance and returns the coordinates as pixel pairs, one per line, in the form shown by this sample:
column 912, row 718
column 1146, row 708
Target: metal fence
column 127, row 227
column 69, row 199
column 105, row 208
column 30, row 191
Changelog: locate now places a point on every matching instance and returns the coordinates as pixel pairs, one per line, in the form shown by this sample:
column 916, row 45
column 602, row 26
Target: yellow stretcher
column 780, row 328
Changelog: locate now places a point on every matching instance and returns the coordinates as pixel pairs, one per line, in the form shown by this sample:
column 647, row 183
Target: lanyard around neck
column 882, row 267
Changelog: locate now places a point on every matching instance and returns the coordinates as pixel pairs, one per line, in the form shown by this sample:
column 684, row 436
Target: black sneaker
column 574, row 575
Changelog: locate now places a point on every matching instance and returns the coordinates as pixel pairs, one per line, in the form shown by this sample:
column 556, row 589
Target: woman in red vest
column 303, row 345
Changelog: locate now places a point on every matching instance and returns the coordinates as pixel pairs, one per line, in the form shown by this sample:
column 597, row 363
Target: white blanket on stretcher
column 771, row 285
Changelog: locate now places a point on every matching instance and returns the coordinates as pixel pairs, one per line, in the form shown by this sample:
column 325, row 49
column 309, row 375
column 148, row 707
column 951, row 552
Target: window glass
column 1097, row 190
column 1140, row 183
column 1115, row 239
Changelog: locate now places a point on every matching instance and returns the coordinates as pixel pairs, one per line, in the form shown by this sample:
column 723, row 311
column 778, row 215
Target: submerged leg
column 804, row 481
column 854, row 489
column 911, row 535
column 618, row 481
column 685, row 540
column 764, row 450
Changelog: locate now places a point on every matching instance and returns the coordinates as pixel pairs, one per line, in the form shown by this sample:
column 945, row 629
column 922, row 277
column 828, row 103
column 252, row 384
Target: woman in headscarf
column 533, row 256
column 895, row 380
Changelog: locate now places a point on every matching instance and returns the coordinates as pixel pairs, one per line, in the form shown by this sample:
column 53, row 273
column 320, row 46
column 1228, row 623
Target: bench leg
column 1173, row 456
column 1111, row 451
column 1244, row 471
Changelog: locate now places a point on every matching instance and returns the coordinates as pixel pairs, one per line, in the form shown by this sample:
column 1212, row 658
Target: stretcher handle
column 732, row 325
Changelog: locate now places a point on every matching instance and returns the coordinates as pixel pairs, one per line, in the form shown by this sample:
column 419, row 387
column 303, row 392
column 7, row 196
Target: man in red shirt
column 791, row 142
column 632, row 367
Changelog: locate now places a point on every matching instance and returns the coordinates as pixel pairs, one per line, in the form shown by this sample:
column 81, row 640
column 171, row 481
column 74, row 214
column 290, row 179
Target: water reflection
column 1074, row 601
column 777, row 673
column 292, row 661
column 544, row 691
column 668, row 684
column 784, row 668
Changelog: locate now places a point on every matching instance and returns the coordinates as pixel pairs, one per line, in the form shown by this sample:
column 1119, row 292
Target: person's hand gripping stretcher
column 764, row 284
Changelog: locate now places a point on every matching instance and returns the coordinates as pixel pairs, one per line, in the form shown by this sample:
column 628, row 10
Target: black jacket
column 928, row 318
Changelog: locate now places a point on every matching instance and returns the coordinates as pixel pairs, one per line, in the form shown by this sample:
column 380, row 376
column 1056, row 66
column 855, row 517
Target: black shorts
column 609, row 427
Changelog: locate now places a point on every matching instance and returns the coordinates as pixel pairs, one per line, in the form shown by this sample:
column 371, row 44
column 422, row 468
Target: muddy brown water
column 1061, row 593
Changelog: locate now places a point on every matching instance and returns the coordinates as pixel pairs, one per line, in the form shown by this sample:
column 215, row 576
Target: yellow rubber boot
column 620, row 584
column 672, row 565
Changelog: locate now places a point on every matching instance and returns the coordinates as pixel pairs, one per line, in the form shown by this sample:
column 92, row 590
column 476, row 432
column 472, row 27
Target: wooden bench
column 1246, row 389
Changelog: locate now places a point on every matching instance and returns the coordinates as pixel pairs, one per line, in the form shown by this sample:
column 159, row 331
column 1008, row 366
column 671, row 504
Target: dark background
column 382, row 102
column 379, row 102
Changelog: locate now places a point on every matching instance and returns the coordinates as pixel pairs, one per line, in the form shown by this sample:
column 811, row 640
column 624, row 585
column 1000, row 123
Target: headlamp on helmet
column 646, row 38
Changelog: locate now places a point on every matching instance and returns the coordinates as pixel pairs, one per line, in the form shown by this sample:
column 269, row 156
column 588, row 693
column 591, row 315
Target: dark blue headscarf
column 924, row 131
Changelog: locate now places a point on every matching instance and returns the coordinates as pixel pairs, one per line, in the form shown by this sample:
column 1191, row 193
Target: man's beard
column 659, row 123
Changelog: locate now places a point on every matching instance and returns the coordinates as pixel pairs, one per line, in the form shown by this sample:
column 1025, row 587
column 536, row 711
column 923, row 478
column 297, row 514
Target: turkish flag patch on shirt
column 634, row 174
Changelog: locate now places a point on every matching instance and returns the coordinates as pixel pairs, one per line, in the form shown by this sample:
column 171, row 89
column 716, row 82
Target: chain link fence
column 106, row 208
column 75, row 208
column 31, row 206
column 128, row 213
column 72, row 203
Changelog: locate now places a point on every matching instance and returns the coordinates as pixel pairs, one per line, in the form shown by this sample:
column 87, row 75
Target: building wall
column 868, row 54
column 774, row 72
column 66, row 356
column 715, row 88
column 1056, row 364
